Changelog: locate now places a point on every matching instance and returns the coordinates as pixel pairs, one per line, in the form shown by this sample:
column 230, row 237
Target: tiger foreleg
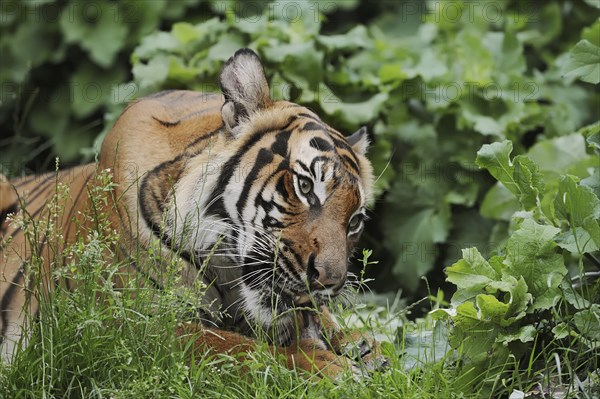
column 361, row 347
column 305, row 354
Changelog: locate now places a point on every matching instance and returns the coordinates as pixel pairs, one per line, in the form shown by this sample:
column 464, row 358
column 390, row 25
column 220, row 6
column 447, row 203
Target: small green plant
column 528, row 313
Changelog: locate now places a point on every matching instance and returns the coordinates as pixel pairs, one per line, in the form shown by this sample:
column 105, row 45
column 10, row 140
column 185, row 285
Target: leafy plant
column 523, row 309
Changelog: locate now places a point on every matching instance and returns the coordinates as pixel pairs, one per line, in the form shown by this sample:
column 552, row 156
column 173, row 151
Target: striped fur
column 274, row 194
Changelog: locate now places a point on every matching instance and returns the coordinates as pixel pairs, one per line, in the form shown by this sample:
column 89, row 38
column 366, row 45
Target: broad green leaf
column 519, row 297
column 495, row 158
column 414, row 242
column 577, row 241
column 588, row 322
column 529, row 180
column 575, row 203
column 91, row 88
column 429, row 67
column 561, row 330
column 352, row 113
column 573, row 297
column 592, row 33
column 153, row 73
column 521, row 176
column 524, row 334
column 584, row 62
column 592, row 3
column 559, row 154
column 355, row 38
column 593, row 182
column 98, row 31
column 490, row 309
column 184, row 32
column 301, row 64
column 499, row 203
column 471, row 275
column 471, row 271
column 531, row 253
column 153, row 44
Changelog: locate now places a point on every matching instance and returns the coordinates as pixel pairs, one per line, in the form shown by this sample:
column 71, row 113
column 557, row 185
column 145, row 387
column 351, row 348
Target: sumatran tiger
column 281, row 191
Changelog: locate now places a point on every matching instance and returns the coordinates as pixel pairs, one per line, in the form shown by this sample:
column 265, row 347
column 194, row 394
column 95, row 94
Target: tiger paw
column 363, row 350
column 312, row 356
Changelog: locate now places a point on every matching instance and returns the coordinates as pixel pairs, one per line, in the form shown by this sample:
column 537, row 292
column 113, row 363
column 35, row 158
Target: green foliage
column 60, row 61
column 433, row 91
column 522, row 304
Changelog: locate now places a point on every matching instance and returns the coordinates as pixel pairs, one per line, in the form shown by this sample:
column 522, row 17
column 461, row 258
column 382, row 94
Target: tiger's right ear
column 244, row 86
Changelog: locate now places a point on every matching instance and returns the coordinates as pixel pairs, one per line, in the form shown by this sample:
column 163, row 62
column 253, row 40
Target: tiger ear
column 244, row 86
column 359, row 141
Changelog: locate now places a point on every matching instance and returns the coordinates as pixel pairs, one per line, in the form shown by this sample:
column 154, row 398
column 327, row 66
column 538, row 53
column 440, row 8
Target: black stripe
column 351, row 162
column 199, row 113
column 263, row 158
column 309, row 116
column 292, row 270
column 6, row 298
column 320, row 144
column 313, row 165
column 280, row 145
column 166, row 123
column 205, row 137
column 303, row 166
column 313, row 126
column 217, row 206
column 144, row 191
column 281, row 189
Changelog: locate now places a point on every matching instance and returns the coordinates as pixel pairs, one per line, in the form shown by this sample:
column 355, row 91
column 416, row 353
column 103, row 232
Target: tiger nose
column 325, row 280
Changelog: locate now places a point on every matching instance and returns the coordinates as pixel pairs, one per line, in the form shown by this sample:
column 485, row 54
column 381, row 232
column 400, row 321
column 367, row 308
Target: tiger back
column 278, row 193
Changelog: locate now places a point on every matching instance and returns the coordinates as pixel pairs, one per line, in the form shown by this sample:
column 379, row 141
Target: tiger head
column 288, row 199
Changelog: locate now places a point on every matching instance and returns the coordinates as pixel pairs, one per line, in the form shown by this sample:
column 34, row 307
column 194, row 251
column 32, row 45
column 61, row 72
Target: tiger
column 278, row 192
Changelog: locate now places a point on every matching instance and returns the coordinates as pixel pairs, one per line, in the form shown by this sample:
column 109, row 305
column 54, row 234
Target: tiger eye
column 305, row 185
column 354, row 222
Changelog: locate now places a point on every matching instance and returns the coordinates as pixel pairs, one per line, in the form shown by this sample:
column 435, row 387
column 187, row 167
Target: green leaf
column 499, row 203
column 588, row 322
column 495, row 158
column 577, row 241
column 355, row 38
column 558, row 155
column 352, row 113
column 592, row 3
column 561, row 330
column 593, row 182
column 491, row 309
column 531, row 253
column 592, row 33
column 575, row 203
column 573, row 297
column 299, row 63
column 150, row 75
column 414, row 241
column 471, row 271
column 524, row 334
column 521, row 176
column 530, row 181
column 584, row 62
column 98, row 31
column 91, row 88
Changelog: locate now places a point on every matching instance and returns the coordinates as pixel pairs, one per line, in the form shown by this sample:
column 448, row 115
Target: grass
column 100, row 341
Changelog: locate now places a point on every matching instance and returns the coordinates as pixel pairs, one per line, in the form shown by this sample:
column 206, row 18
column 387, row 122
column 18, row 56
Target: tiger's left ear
column 244, row 86
column 359, row 141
